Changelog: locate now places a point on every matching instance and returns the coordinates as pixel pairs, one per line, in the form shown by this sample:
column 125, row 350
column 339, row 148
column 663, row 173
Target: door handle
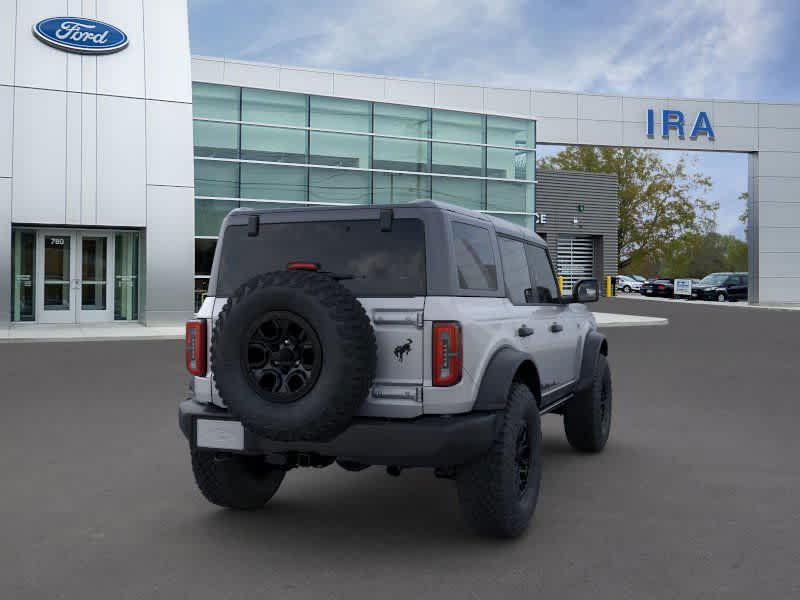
column 524, row 331
column 556, row 327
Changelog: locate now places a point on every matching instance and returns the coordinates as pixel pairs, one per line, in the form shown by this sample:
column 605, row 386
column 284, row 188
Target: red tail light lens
column 303, row 266
column 196, row 347
column 661, row 287
column 447, row 355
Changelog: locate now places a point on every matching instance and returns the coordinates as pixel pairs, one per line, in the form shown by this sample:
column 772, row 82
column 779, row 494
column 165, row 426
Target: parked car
column 628, row 284
column 664, row 288
column 722, row 287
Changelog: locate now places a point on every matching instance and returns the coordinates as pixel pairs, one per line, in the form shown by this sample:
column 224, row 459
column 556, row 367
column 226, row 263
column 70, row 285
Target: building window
column 404, row 121
column 274, row 182
column 279, row 108
column 340, row 114
column 274, row 144
column 395, row 188
column 200, row 291
column 457, row 159
column 216, row 178
column 525, row 221
column 339, row 186
column 340, row 150
column 504, row 163
column 23, row 261
column 204, row 256
column 509, row 197
column 393, row 154
column 463, row 192
column 126, row 276
column 458, row 126
column 217, row 140
column 211, row 101
column 506, row 131
column 209, row 213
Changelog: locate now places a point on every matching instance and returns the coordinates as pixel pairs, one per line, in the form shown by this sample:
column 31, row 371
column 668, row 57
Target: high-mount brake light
column 303, row 266
column 447, row 353
column 196, row 347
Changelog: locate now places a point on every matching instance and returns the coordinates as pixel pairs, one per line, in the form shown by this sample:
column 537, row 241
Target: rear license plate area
column 219, row 434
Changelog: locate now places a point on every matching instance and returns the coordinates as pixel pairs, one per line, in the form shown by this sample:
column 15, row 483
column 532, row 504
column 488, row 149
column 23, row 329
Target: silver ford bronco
column 416, row 335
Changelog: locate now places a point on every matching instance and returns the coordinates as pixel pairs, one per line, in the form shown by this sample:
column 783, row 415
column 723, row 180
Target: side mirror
column 585, row 290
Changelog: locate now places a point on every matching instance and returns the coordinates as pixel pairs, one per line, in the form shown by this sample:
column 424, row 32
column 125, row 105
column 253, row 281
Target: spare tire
column 293, row 354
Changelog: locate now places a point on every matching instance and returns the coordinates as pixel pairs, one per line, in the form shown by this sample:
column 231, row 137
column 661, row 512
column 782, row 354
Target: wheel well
column 604, row 348
column 528, row 374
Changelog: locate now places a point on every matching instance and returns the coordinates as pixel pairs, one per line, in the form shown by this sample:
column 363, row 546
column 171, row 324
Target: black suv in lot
column 721, row 287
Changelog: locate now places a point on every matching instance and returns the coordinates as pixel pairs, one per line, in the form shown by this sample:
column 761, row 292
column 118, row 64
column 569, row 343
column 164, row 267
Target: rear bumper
column 428, row 441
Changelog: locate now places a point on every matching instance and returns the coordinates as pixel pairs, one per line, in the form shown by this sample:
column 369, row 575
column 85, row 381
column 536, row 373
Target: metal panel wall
column 169, row 261
column 558, row 194
column 76, row 132
column 39, row 156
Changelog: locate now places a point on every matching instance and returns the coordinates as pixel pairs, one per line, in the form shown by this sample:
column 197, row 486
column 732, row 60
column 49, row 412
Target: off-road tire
column 489, row 490
column 235, row 481
column 587, row 416
column 348, row 355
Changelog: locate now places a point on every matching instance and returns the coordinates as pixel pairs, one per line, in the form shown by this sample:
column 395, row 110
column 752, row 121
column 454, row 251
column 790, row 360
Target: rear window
column 383, row 263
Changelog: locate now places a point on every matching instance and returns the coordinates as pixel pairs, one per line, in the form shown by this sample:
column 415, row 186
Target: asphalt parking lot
column 696, row 495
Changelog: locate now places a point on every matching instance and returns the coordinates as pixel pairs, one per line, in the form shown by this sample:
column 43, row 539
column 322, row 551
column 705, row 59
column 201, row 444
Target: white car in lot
column 628, row 284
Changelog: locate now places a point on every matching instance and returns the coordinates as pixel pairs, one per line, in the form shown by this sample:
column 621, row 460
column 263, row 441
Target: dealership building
column 120, row 154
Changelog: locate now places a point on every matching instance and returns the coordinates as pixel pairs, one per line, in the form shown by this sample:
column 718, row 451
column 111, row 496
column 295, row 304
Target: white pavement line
column 88, row 333
column 606, row 320
column 739, row 304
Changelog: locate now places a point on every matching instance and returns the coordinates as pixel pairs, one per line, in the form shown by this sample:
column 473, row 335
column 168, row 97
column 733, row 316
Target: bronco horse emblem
column 402, row 350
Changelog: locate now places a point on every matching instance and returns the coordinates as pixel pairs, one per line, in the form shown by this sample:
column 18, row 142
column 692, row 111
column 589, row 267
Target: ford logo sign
column 84, row 36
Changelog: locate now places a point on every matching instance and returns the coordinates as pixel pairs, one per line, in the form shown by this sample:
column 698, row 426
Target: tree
column 659, row 202
column 695, row 255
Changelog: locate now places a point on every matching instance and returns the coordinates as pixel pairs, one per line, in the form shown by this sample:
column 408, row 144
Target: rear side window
column 515, row 270
column 475, row 260
column 545, row 289
column 381, row 263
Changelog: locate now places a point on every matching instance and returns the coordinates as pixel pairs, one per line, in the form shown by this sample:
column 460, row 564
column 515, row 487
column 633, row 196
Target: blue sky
column 740, row 49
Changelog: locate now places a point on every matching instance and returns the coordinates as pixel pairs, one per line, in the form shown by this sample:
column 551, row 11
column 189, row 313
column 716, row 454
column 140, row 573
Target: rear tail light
column 196, row 347
column 302, row 266
column 447, row 354
column 661, row 287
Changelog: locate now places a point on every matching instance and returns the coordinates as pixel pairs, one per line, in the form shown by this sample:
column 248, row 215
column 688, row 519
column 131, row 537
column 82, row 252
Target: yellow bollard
column 561, row 284
column 608, row 286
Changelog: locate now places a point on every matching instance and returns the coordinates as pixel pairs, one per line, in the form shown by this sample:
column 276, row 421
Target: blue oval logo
column 84, row 36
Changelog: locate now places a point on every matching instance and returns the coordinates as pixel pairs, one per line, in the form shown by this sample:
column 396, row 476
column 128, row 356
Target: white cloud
column 687, row 47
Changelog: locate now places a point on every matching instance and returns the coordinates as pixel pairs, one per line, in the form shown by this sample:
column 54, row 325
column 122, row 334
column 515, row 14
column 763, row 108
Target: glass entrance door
column 74, row 272
column 94, row 301
column 55, row 303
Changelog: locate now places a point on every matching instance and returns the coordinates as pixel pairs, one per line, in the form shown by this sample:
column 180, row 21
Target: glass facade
column 270, row 148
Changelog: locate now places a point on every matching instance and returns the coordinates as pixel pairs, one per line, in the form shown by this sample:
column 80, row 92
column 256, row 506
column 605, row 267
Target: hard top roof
column 500, row 225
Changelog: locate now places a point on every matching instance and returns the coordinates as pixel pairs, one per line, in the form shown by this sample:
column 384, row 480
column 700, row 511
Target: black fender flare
column 594, row 345
column 498, row 376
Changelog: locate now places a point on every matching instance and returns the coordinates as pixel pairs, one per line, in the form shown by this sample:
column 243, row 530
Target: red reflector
column 303, row 266
column 447, row 354
column 196, row 347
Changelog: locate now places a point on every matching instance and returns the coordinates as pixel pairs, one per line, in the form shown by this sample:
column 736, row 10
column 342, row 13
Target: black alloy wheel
column 523, row 459
column 605, row 407
column 282, row 358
